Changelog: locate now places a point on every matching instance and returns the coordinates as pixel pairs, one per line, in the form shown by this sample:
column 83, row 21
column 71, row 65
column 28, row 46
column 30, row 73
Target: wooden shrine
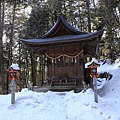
column 65, row 48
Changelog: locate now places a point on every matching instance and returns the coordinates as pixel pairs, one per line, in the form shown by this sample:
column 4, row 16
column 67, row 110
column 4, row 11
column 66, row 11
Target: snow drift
column 66, row 105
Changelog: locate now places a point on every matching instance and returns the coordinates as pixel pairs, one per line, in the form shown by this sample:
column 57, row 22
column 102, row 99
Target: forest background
column 17, row 22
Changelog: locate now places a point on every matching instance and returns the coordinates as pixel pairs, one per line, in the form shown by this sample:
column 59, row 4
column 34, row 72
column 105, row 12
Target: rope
column 64, row 55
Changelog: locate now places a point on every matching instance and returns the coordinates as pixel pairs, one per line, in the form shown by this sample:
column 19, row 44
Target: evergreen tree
column 108, row 17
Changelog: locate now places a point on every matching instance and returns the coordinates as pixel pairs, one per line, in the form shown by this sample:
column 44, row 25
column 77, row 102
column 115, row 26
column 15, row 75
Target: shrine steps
column 67, row 83
column 60, row 85
column 57, row 88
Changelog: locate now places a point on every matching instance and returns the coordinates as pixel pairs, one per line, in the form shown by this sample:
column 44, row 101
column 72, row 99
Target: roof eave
column 83, row 39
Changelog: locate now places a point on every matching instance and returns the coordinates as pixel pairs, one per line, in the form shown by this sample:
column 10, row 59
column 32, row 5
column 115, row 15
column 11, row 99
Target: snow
column 31, row 105
column 15, row 66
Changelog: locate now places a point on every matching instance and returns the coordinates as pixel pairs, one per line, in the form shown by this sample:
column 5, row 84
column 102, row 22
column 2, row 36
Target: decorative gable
column 62, row 27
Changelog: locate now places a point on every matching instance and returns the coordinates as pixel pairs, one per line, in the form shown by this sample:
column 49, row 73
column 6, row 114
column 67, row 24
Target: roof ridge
column 66, row 23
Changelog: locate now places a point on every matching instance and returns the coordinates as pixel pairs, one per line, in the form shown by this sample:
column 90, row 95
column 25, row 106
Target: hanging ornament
column 52, row 60
column 72, row 59
column 75, row 60
column 58, row 59
column 55, row 61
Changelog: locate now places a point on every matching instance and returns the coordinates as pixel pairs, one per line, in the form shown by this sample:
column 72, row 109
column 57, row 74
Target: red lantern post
column 94, row 74
column 93, row 70
column 13, row 76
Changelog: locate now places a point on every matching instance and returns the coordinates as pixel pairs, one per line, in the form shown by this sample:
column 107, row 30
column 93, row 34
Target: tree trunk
column 88, row 11
column 2, row 78
column 11, row 36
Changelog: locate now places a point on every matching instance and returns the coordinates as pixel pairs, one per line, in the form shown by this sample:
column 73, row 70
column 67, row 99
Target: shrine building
column 65, row 48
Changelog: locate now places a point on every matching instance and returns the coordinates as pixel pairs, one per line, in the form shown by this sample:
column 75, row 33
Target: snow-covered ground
column 30, row 105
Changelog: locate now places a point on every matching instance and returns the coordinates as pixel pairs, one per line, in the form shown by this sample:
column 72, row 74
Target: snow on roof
column 15, row 66
column 93, row 60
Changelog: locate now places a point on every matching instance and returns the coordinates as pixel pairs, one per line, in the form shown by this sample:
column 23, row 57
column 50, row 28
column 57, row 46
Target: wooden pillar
column 53, row 64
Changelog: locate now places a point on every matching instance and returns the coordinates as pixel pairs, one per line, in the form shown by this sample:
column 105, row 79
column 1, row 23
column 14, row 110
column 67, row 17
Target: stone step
column 63, row 84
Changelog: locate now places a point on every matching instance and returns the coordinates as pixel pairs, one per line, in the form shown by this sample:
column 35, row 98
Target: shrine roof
column 66, row 24
column 63, row 39
column 63, row 32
